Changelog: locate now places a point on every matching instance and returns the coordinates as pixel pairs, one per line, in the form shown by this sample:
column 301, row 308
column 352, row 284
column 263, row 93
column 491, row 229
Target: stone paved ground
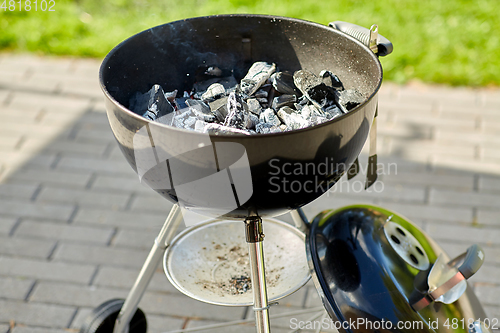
column 76, row 225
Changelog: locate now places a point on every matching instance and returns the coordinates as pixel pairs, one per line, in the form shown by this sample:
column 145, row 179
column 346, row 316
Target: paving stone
column 493, row 313
column 15, row 288
column 15, row 159
column 26, row 247
column 378, row 191
column 463, row 182
column 151, row 203
column 73, row 295
column 409, row 148
column 454, row 248
column 3, row 96
column 31, row 329
column 22, row 100
column 98, row 165
column 51, row 176
column 64, row 232
column 183, row 306
column 53, row 271
column 467, row 199
column 81, row 315
column 37, row 210
column 113, row 277
column 160, row 324
column 4, row 328
column 56, row 316
column 466, row 138
column 68, row 148
column 469, row 235
column 6, row 225
column 487, row 274
column 83, row 197
column 121, row 219
column 489, row 295
column 9, row 142
column 23, row 191
column 135, row 239
column 96, row 135
column 243, row 328
column 488, row 217
column 128, row 184
column 432, row 213
column 100, row 255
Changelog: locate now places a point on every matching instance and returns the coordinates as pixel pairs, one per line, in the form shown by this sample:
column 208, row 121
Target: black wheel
column 102, row 319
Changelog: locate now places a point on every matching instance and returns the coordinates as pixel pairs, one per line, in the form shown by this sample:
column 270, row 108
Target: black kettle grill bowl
column 289, row 169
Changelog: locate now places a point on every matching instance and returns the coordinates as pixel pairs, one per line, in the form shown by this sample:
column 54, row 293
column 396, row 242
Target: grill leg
column 255, row 238
column 166, row 234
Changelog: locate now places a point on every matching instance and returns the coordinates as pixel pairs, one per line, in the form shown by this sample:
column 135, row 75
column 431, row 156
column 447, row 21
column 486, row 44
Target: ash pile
column 265, row 101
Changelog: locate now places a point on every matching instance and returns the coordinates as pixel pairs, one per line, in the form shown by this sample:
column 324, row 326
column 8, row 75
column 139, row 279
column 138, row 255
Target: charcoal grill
column 197, row 171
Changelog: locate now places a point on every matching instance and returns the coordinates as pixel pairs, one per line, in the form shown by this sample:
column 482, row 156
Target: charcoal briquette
column 269, row 116
column 254, row 106
column 350, row 98
column 151, row 105
column 257, row 75
column 283, row 100
column 219, row 108
column 213, row 91
column 331, row 80
column 283, row 83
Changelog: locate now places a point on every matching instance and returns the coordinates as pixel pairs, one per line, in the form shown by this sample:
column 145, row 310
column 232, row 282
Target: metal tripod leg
column 166, row 234
column 255, row 238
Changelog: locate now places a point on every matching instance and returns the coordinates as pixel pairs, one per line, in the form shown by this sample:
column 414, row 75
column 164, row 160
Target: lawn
column 454, row 42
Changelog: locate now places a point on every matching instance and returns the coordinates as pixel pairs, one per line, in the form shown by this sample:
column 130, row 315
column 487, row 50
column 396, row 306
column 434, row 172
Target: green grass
column 455, row 42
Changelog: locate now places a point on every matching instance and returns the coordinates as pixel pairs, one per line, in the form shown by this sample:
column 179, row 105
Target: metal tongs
column 445, row 281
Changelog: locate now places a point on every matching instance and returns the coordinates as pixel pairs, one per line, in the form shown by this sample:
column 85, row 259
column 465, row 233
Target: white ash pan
column 209, row 262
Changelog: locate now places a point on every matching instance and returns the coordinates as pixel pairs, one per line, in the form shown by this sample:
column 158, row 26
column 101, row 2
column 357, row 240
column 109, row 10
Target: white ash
column 256, row 76
column 215, row 90
column 265, row 101
column 237, row 115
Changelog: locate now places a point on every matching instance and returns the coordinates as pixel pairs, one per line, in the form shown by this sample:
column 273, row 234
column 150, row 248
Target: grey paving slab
column 94, row 164
column 26, row 247
column 32, row 329
column 489, row 217
column 46, row 270
column 93, row 254
column 6, row 225
column 20, row 208
column 73, row 295
column 114, row 277
column 184, row 307
column 466, row 234
column 129, row 184
column 48, row 175
column 464, row 199
column 121, row 219
column 64, row 232
column 36, row 314
column 14, row 288
column 83, row 197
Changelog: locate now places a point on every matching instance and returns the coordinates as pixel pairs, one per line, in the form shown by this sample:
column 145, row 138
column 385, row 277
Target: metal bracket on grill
column 364, row 35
